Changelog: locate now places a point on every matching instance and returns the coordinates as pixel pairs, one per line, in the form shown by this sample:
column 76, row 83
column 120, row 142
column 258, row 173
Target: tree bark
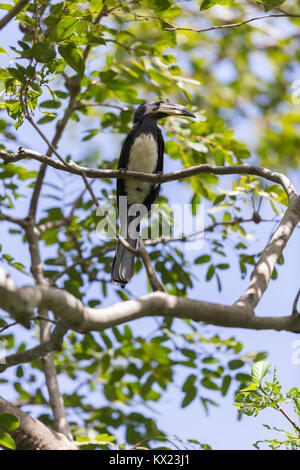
column 33, row 434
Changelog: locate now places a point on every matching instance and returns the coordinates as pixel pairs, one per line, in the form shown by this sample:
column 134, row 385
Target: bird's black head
column 158, row 109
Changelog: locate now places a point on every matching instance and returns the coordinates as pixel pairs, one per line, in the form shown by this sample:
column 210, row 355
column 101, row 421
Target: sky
column 220, row 429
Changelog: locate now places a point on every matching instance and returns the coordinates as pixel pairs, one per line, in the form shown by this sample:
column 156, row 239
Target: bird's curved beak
column 174, row 109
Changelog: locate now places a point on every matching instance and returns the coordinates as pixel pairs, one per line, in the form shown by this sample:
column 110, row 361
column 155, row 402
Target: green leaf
column 244, row 378
column 47, row 118
column 235, row 364
column 251, row 388
column 73, row 57
column 225, row 384
column 202, row 259
column 189, row 397
column 50, row 104
column 5, row 6
column 105, row 437
column 210, row 360
column 66, row 27
column 42, row 52
column 219, row 199
column 189, row 383
column 207, row 383
column 219, row 157
column 259, row 370
column 269, row 4
column 208, row 4
column 210, row 272
column 7, row 441
column 82, row 439
column 159, row 5
column 222, row 266
column 9, row 422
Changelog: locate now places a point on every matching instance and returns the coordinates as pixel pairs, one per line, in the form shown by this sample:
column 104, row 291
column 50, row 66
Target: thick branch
column 264, row 268
column 10, row 303
column 75, row 169
column 33, row 434
column 36, row 267
column 80, row 318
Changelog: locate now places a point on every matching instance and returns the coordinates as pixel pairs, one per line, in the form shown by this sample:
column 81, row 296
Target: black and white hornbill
column 143, row 151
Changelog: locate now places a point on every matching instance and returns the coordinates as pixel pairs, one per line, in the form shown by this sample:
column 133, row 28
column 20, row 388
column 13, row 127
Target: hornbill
column 142, row 151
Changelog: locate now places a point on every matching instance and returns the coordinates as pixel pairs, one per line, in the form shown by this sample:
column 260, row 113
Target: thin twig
column 53, row 344
column 153, row 279
column 54, row 278
column 14, row 220
column 43, row 136
column 282, row 411
column 231, row 25
column 41, row 317
column 8, row 326
column 82, row 104
column 209, row 228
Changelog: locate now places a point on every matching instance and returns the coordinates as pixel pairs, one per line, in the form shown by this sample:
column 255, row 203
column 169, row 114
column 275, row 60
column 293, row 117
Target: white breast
column 142, row 157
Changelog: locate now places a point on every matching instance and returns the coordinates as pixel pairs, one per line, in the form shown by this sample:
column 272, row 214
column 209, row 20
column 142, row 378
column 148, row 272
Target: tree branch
column 33, row 235
column 14, row 220
column 210, row 228
column 54, row 343
column 83, row 319
column 75, row 169
column 232, row 25
column 54, row 278
column 295, row 311
column 12, row 13
column 153, row 279
column 32, row 434
column 264, row 268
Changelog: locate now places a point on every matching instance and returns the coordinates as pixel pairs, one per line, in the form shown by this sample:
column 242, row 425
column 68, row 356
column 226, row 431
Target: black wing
column 161, row 149
column 123, row 161
column 153, row 195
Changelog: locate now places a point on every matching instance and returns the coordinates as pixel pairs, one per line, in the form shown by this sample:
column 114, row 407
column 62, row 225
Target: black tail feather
column 123, row 264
